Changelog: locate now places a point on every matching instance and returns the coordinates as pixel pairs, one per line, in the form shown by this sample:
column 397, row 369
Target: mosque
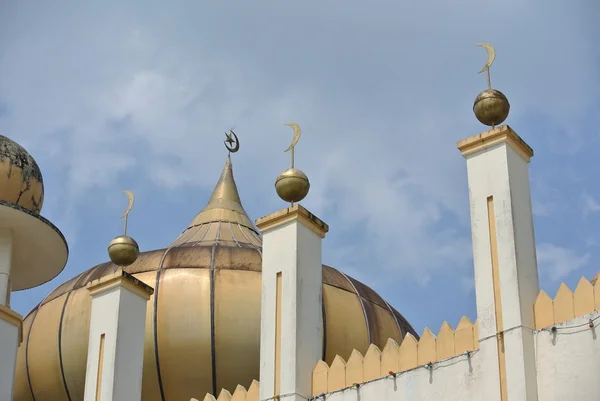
column 236, row 310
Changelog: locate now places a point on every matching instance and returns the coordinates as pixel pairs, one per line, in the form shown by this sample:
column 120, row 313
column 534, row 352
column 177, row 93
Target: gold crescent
column 491, row 55
column 130, row 205
column 296, row 129
column 236, row 141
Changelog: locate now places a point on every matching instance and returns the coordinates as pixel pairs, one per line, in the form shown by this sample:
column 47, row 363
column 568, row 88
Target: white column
column 5, row 264
column 506, row 275
column 10, row 338
column 291, row 340
column 116, row 345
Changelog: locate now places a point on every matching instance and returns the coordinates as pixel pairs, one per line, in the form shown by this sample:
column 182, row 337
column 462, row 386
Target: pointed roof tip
column 224, row 203
column 225, row 188
column 224, row 206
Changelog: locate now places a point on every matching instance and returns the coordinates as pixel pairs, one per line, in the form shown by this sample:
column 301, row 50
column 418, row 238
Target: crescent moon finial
column 297, row 133
column 491, row 52
column 491, row 107
column 292, row 185
column 123, row 250
column 125, row 215
column 232, row 143
column 131, row 198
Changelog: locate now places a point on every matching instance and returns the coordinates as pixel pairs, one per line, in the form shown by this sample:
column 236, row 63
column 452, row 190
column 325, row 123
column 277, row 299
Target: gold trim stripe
column 497, row 296
column 293, row 213
column 494, row 136
column 278, row 334
column 100, row 368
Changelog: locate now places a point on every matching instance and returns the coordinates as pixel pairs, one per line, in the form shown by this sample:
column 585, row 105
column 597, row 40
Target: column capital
column 123, row 279
column 500, row 134
column 293, row 213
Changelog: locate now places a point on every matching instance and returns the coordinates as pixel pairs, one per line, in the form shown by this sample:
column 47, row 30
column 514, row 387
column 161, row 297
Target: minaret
column 291, row 316
column 32, row 250
column 506, row 275
column 117, row 326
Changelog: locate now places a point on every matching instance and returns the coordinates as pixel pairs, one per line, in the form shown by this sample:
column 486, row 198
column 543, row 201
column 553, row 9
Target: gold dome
column 21, row 180
column 203, row 321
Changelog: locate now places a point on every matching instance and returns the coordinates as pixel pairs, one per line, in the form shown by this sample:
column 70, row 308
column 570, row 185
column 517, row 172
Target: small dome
column 21, row 180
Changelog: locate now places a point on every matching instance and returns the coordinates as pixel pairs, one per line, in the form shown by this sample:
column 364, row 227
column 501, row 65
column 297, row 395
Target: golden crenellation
column 567, row 305
column 395, row 358
column 240, row 394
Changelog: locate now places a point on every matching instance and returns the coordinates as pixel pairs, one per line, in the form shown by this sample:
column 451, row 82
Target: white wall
column 454, row 379
column 568, row 361
column 568, row 368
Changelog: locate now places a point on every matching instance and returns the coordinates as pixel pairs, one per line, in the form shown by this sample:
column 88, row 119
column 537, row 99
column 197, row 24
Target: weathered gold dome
column 203, row 321
column 21, row 180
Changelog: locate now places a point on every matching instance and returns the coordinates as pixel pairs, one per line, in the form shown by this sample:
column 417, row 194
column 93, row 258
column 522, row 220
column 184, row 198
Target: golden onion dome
column 21, row 180
column 203, row 321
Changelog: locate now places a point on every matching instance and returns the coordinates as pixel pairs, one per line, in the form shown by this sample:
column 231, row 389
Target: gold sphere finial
column 124, row 250
column 491, row 107
column 292, row 185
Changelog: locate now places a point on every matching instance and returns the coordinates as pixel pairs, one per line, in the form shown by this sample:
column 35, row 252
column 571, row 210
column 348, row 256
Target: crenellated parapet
column 240, row 394
column 395, row 358
column 567, row 304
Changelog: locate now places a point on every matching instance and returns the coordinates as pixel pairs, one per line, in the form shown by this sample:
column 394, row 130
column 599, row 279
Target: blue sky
column 136, row 95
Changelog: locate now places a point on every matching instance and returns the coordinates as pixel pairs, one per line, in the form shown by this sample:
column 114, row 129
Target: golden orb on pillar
column 491, row 107
column 292, row 185
column 123, row 250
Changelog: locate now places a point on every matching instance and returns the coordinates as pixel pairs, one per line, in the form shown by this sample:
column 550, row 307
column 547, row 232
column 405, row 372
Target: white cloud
column 590, row 204
column 382, row 91
column 557, row 262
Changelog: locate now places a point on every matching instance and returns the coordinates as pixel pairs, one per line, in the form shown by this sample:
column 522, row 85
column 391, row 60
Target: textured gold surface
column 237, row 312
column 182, row 359
column 75, row 333
column 21, row 180
column 491, row 107
column 45, row 378
column 150, row 388
column 345, row 325
column 123, row 250
column 184, row 335
column 292, row 185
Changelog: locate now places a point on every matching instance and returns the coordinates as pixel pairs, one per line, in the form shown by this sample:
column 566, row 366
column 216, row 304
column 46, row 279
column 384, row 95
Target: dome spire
column 223, row 219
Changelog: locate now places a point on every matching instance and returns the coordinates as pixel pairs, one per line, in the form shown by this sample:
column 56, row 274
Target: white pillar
column 116, row 345
column 291, row 341
column 506, row 275
column 11, row 324
column 5, row 264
